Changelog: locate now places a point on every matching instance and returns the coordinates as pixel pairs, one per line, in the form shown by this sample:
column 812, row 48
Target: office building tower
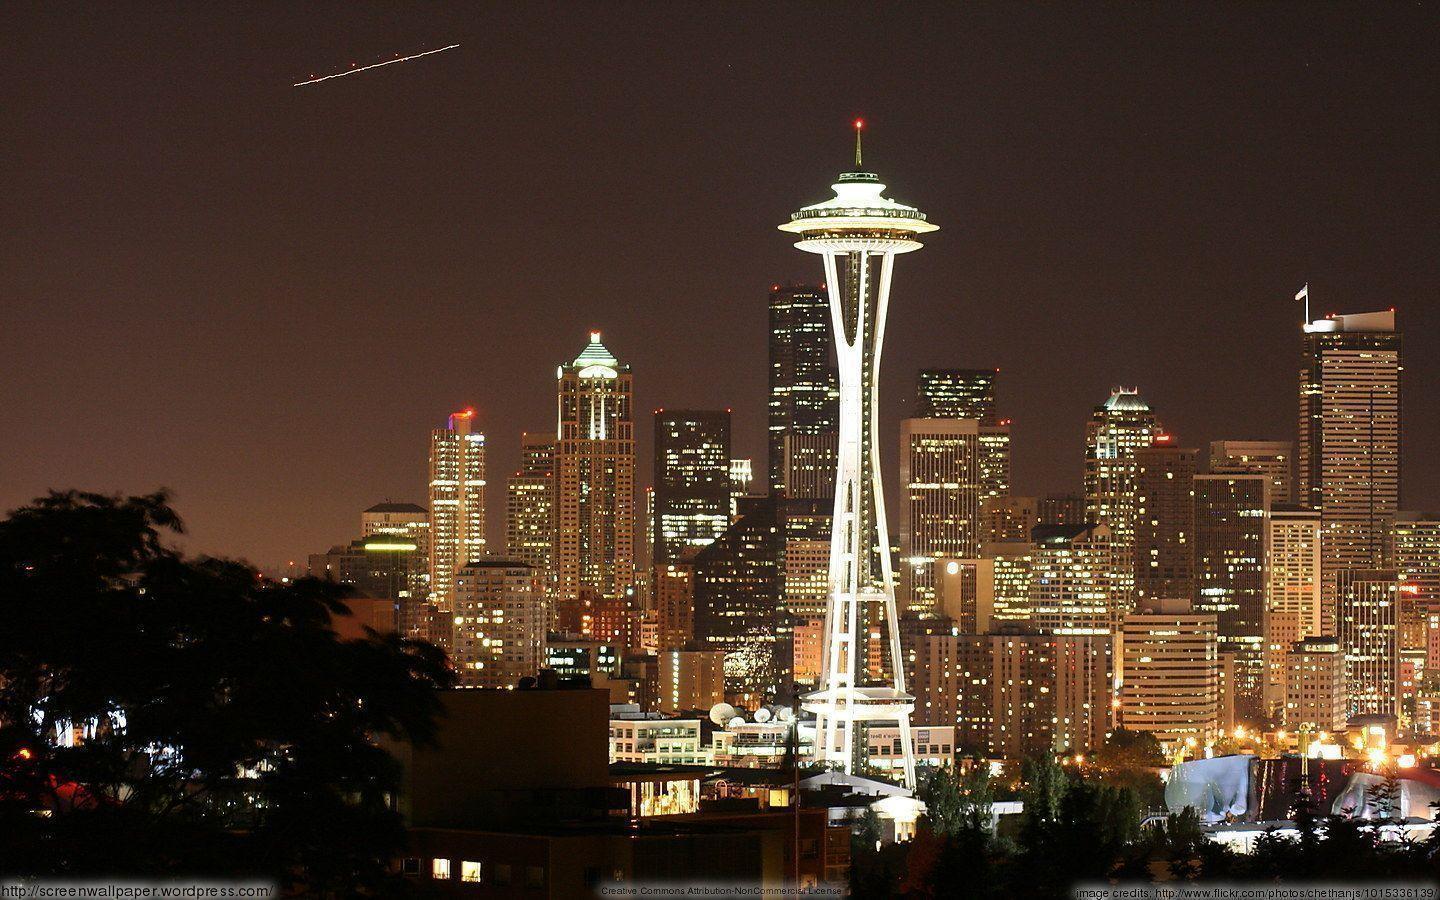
column 940, row 503
column 1316, row 692
column 499, row 623
column 1012, row 561
column 1118, row 427
column 674, row 589
column 739, row 582
column 965, row 593
column 956, row 394
column 1230, row 578
column 457, row 504
column 1349, row 447
column 690, row 680
column 384, row 566
column 692, row 480
column 1294, row 571
column 1062, row 509
column 1007, row 519
column 1414, row 553
column 1368, row 630
column 857, row 234
column 1170, row 683
column 1073, row 580
column 1164, row 522
column 742, row 480
column 403, row 519
column 594, row 543
column 804, row 392
column 530, row 503
column 1273, row 459
column 995, row 460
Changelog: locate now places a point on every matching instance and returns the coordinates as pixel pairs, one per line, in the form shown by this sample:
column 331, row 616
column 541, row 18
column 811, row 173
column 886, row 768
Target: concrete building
column 690, row 680
column 1293, row 585
column 1164, row 522
column 499, row 623
column 1170, row 680
column 1012, row 562
column 594, row 545
column 674, row 591
column 530, row 503
column 1368, row 624
column 1008, row 519
column 1316, row 692
column 692, row 480
column 657, row 741
column 1273, row 459
column 1073, row 581
column 965, row 593
column 1414, row 553
column 804, row 402
column 940, row 501
column 457, row 505
column 1117, row 428
column 1231, row 512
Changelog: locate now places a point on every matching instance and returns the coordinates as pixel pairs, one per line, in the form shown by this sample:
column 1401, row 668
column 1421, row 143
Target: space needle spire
column 858, row 233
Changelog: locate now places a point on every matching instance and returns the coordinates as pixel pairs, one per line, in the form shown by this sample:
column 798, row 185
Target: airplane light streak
column 373, row 66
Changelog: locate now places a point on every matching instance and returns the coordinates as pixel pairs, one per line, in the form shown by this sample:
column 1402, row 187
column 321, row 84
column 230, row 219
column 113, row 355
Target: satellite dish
column 721, row 713
column 736, row 722
column 784, row 714
column 762, row 715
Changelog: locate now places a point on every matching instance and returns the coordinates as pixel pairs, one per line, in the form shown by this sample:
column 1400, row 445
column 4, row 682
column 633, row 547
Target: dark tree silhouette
column 174, row 716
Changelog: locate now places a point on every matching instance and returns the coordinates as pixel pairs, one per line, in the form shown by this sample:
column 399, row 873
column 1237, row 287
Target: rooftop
column 388, row 507
column 1127, row 400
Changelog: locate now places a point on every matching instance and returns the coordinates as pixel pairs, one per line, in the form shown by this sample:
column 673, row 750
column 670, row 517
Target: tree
column 178, row 716
column 1132, row 759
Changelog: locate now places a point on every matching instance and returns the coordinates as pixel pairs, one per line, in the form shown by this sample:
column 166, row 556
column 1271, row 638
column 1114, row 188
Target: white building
column 659, row 741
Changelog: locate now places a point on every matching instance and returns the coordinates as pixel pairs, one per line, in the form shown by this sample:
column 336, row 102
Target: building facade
column 693, row 485
column 499, row 623
column 1273, row 459
column 1117, row 428
column 1164, row 522
column 1074, row 588
column 804, row 401
column 1170, row 682
column 1367, row 616
column 457, row 504
column 940, row 504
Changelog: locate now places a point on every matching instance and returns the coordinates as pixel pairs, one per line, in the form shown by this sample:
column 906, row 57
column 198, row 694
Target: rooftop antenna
column 859, row 124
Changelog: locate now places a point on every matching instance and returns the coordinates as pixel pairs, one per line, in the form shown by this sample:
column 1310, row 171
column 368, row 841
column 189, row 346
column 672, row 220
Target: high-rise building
column 499, row 623
column 1349, row 447
column 739, row 582
column 1072, row 580
column 406, row 519
column 674, row 588
column 1414, row 553
column 1007, row 518
column 384, row 566
column 1316, row 693
column 1368, row 624
column 858, row 233
column 530, row 503
column 690, row 680
column 594, row 543
column 965, row 593
column 742, row 479
column 1118, row 427
column 457, row 504
column 1062, row 509
column 1170, row 673
column 692, row 480
column 1294, row 571
column 956, row 394
column 1012, row 561
column 1273, row 459
column 1164, row 522
column 804, row 392
column 940, row 504
column 995, row 460
column 1230, row 579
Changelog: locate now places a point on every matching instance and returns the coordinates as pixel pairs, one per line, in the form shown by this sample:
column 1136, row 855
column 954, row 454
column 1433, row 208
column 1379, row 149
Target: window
column 535, row 876
column 502, row 874
column 410, row 865
column 470, row 871
column 440, row 869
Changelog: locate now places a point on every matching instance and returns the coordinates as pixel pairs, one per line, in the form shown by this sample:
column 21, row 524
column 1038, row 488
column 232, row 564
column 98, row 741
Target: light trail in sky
column 387, row 62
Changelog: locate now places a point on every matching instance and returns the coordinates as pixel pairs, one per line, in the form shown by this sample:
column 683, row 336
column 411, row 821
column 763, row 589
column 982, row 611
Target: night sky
column 263, row 296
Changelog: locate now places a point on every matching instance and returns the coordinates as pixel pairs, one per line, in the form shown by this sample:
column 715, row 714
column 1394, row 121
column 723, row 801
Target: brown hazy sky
column 263, row 296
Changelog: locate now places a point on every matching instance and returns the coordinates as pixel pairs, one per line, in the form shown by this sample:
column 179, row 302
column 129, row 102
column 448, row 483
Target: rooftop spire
column 859, row 124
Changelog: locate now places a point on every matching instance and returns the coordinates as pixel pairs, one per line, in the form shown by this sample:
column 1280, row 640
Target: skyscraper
column 1117, row 428
column 692, row 480
column 499, row 623
column 594, row 544
column 1349, row 448
column 857, row 234
column 1368, row 625
column 457, row 505
column 1230, row 557
column 940, row 504
column 956, row 394
column 804, row 392
column 1164, row 522
column 1170, row 683
column 1415, row 555
column 530, row 503
column 1274, row 459
column 1294, row 572
column 1072, row 580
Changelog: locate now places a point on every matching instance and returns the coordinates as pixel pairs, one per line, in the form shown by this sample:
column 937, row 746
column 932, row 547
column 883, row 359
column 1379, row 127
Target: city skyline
column 296, row 327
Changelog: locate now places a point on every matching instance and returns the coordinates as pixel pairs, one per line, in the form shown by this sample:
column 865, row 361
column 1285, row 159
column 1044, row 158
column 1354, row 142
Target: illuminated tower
column 857, row 234
column 457, row 505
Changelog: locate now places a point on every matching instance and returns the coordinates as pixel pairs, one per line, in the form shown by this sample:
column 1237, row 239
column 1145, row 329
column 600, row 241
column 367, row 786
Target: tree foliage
column 173, row 716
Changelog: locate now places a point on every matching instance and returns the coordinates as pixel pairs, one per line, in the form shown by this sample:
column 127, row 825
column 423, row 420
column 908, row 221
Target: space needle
column 858, row 233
